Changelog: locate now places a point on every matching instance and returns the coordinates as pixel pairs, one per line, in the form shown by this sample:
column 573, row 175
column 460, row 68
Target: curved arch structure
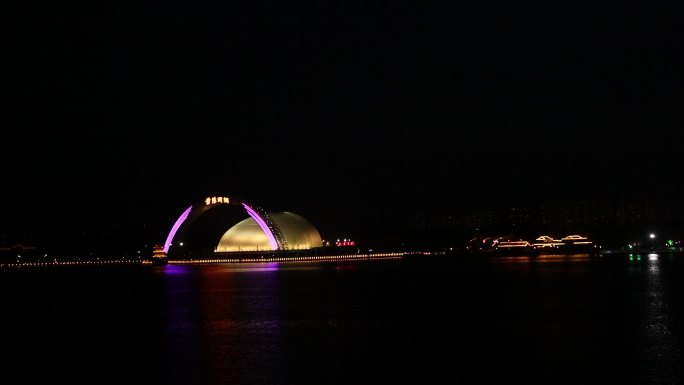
column 275, row 238
column 174, row 229
column 264, row 227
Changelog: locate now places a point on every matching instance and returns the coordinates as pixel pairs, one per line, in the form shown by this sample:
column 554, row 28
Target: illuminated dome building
column 248, row 235
column 220, row 224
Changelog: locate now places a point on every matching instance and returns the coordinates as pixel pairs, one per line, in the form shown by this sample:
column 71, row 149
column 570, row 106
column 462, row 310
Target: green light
column 631, row 257
column 638, row 257
column 670, row 242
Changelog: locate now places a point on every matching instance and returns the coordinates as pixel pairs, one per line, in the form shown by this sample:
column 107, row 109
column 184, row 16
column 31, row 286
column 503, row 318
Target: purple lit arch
column 264, row 227
column 200, row 208
column 174, row 229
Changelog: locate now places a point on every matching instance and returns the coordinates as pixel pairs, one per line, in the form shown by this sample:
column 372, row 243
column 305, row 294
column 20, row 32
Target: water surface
column 544, row 320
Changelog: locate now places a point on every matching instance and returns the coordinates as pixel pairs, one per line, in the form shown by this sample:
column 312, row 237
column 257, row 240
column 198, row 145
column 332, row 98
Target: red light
column 345, row 243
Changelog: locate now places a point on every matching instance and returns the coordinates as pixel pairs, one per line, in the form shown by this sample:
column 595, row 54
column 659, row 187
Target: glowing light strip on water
column 175, row 227
column 264, row 227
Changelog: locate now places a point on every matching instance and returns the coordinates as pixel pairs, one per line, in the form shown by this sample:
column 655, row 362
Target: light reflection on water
column 659, row 348
column 215, row 268
column 567, row 311
column 520, row 319
column 512, row 259
column 545, row 258
column 223, row 323
column 172, row 269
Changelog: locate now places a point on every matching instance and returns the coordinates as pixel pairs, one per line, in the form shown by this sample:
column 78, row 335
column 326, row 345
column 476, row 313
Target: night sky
column 127, row 113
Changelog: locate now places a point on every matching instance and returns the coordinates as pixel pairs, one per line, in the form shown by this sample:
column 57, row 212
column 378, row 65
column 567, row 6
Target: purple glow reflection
column 264, row 227
column 174, row 269
column 175, row 227
column 268, row 266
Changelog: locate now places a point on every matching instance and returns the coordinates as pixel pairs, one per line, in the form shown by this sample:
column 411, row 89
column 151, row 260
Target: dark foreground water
column 600, row 320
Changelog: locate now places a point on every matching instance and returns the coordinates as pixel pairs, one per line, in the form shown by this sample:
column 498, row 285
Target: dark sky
column 129, row 112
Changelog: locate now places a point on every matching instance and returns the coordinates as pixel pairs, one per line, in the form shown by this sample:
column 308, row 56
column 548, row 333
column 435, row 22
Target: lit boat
column 513, row 247
column 568, row 244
